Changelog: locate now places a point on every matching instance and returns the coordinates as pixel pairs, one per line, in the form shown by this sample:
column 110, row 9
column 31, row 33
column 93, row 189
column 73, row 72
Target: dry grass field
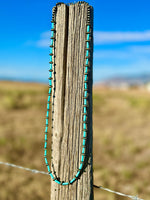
column 121, row 133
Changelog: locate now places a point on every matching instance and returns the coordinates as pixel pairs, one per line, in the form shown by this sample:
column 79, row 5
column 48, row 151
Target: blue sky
column 121, row 42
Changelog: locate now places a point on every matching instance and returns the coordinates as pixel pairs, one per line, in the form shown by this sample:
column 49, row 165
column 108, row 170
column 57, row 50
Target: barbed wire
column 35, row 171
column 24, row 168
column 118, row 193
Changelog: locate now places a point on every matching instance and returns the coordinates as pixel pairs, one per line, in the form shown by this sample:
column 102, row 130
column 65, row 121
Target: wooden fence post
column 68, row 90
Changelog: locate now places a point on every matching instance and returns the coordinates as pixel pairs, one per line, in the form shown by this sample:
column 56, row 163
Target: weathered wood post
column 72, row 59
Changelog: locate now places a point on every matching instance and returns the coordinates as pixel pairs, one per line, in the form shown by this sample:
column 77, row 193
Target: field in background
column 121, row 133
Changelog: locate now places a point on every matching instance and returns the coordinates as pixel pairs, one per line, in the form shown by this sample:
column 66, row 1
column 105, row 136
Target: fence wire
column 118, row 193
column 35, row 171
column 24, row 168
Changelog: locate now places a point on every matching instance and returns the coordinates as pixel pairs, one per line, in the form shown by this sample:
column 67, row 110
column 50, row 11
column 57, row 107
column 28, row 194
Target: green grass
column 120, row 141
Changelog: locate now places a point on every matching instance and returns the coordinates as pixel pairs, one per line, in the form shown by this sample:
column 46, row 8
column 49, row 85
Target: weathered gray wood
column 67, row 132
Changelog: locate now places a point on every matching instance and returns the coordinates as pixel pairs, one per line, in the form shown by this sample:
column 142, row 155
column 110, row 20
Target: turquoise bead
column 87, row 45
column 50, row 82
column 83, row 150
column 88, row 28
column 88, row 36
column 46, row 161
column 84, row 141
column 48, row 101
column 48, row 168
column 78, row 174
column 72, row 180
column 51, row 50
column 85, row 78
column 65, row 183
column 84, row 118
column 52, row 34
column 84, row 110
column 45, row 136
column 82, row 158
column 52, row 42
column 52, row 25
column 50, row 74
column 84, row 126
column 84, row 134
column 57, row 182
column 50, row 90
column 80, row 166
column 51, row 66
column 51, row 176
column 50, row 58
column 85, row 85
column 87, row 53
column 87, row 61
column 85, row 102
column 47, row 114
column 46, row 129
column 45, row 146
column 85, row 94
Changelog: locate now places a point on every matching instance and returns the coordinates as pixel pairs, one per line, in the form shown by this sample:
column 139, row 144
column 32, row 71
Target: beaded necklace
column 85, row 95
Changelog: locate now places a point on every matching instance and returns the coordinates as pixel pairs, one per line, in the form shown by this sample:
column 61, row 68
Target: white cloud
column 143, row 49
column 45, row 34
column 102, row 37
column 129, row 60
column 24, row 73
column 102, row 72
column 116, row 54
column 128, row 52
column 43, row 42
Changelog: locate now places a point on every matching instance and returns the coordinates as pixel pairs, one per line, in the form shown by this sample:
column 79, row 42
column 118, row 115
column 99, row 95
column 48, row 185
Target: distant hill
column 134, row 80
column 7, row 78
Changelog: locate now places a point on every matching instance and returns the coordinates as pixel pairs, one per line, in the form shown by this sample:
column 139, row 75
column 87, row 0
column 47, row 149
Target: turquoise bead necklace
column 85, row 95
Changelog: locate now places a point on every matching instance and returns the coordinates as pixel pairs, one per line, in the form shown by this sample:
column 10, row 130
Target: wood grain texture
column 67, row 132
